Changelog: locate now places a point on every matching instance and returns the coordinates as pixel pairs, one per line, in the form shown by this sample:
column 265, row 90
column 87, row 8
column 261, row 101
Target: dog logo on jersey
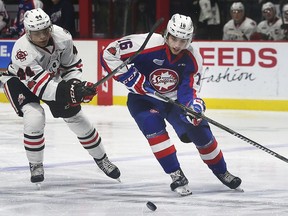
column 164, row 80
column 21, row 99
column 112, row 50
column 21, row 55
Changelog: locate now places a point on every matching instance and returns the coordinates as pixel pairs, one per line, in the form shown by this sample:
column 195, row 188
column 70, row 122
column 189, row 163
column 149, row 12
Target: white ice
column 74, row 185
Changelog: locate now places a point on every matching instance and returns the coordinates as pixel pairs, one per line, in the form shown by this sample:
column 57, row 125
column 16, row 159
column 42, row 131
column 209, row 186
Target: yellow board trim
column 239, row 104
column 213, row 103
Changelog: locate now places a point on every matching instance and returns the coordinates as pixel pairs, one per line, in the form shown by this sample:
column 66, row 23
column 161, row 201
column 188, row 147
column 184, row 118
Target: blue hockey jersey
column 178, row 77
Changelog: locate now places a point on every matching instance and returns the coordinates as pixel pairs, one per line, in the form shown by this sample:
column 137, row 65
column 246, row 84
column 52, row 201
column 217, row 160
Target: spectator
column 285, row 21
column 239, row 27
column 253, row 9
column 62, row 14
column 209, row 27
column 4, row 18
column 143, row 19
column 17, row 29
column 270, row 27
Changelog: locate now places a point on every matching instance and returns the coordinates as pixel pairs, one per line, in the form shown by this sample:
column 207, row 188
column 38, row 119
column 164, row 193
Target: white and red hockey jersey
column 41, row 69
column 242, row 31
column 272, row 30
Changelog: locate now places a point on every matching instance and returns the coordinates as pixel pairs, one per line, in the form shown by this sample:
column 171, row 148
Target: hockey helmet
column 268, row 5
column 237, row 6
column 269, row 11
column 36, row 20
column 285, row 13
column 180, row 26
column 285, row 8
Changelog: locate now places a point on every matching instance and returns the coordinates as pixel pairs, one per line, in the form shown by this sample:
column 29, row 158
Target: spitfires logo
column 21, row 55
column 164, row 80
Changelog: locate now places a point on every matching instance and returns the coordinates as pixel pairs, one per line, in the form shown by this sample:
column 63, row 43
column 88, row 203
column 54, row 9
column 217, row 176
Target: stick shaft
column 234, row 133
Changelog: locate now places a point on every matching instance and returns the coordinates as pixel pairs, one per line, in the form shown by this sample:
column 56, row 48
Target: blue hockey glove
column 197, row 105
column 134, row 81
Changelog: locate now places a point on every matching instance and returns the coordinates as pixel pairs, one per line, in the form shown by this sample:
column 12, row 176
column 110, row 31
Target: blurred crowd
column 61, row 13
column 213, row 19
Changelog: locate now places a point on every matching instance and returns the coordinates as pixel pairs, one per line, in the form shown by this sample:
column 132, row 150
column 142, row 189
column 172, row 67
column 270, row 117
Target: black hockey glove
column 75, row 92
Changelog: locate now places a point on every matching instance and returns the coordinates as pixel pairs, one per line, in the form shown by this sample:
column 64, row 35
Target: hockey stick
column 127, row 61
column 189, row 111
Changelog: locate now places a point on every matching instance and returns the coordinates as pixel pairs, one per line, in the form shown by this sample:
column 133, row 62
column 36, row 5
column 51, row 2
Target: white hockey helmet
column 180, row 26
column 268, row 5
column 285, row 13
column 36, row 20
column 238, row 6
column 285, row 8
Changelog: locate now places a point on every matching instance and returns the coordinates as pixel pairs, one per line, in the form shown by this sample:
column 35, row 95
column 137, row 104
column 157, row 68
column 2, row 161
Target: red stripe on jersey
column 209, row 149
column 46, row 77
column 215, row 160
column 165, row 152
column 90, row 141
column 158, row 139
column 139, row 85
column 34, row 143
column 79, row 66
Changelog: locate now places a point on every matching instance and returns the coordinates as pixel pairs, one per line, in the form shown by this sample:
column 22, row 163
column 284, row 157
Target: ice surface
column 75, row 186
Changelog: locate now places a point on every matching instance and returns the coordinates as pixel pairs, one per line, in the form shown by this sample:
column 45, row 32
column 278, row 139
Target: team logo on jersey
column 164, row 80
column 158, row 61
column 21, row 55
column 153, row 111
column 21, row 98
column 112, row 50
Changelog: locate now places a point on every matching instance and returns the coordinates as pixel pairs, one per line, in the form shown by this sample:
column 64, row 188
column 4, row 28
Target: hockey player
column 270, row 27
column 240, row 27
column 45, row 66
column 170, row 66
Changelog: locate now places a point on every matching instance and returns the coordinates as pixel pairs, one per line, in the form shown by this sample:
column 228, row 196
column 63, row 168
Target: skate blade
column 38, row 186
column 119, row 180
column 239, row 189
column 183, row 190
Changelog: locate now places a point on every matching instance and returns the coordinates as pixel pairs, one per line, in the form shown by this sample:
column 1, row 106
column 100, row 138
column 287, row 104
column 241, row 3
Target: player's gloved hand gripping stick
column 191, row 112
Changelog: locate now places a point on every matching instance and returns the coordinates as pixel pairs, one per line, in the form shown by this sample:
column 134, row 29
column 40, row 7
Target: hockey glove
column 134, row 81
column 197, row 105
column 75, row 92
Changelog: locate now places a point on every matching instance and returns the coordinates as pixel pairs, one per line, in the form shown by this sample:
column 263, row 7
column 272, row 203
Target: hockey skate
column 180, row 183
column 230, row 180
column 108, row 167
column 37, row 173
